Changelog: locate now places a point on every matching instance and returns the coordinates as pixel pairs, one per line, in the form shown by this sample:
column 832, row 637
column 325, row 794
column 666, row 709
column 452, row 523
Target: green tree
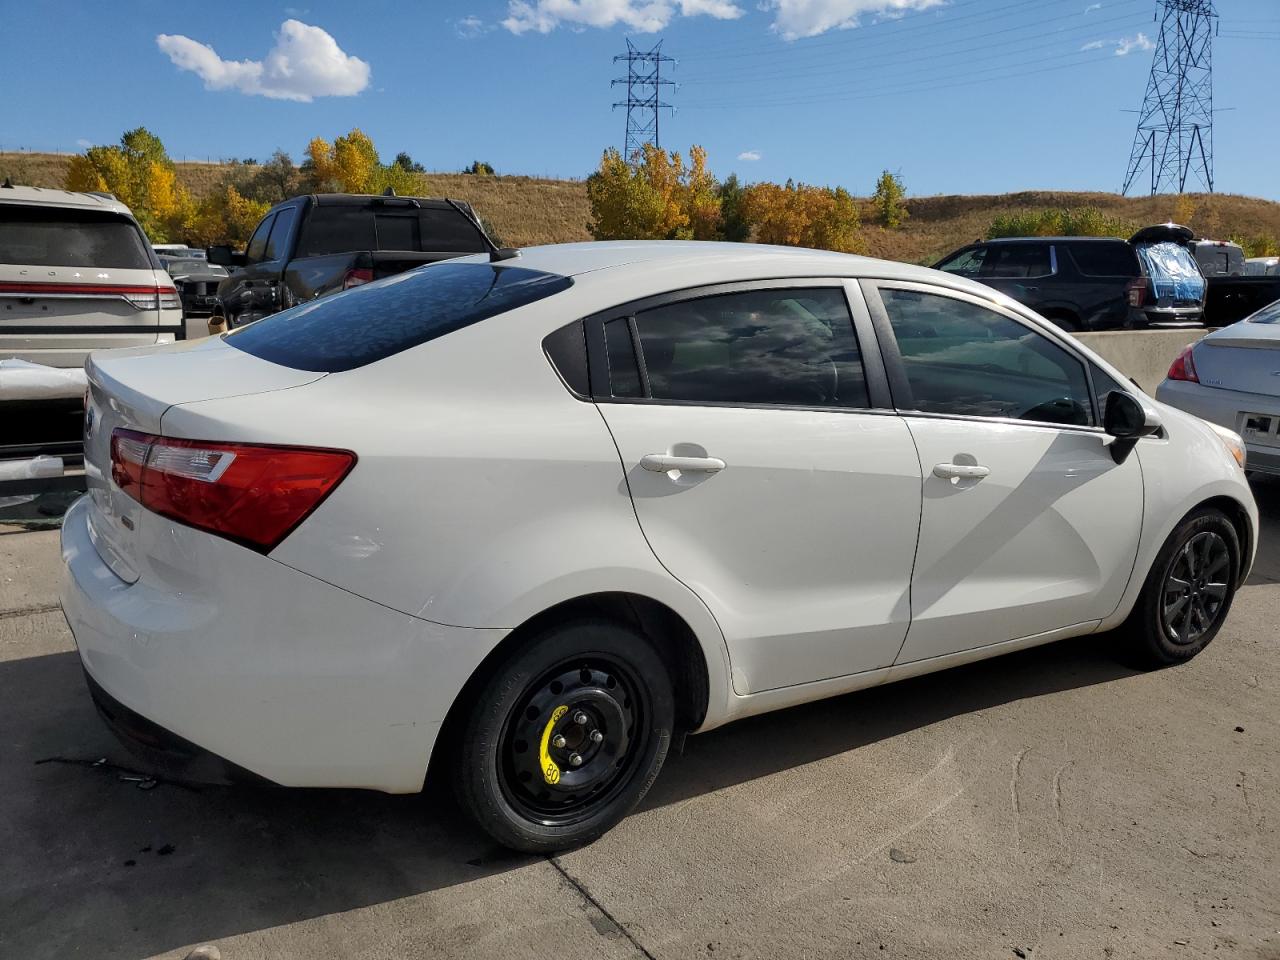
column 406, row 163
column 734, row 226
column 889, row 200
column 139, row 172
column 479, row 168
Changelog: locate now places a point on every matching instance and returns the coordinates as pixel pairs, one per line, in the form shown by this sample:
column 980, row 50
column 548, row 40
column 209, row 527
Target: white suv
column 77, row 274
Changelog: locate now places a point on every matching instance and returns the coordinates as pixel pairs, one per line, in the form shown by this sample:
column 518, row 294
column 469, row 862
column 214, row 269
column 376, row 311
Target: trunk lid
column 1243, row 357
column 131, row 389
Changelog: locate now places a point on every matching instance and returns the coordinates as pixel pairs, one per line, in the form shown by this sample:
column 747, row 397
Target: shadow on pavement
column 94, row 865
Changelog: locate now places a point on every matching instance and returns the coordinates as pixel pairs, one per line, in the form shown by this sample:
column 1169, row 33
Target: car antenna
column 496, row 253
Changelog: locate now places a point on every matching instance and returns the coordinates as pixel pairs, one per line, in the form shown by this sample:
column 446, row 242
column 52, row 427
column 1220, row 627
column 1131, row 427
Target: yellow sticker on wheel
column 550, row 772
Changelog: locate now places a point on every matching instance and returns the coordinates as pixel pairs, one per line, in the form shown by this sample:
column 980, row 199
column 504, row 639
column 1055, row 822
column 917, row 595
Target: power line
column 644, row 102
column 1174, row 139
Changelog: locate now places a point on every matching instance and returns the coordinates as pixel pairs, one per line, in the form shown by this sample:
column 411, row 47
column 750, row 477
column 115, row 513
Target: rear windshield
column 1268, row 314
column 36, row 237
column 351, row 329
column 342, row 229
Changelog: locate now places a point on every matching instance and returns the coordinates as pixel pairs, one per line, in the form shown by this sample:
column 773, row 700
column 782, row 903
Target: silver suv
column 76, row 275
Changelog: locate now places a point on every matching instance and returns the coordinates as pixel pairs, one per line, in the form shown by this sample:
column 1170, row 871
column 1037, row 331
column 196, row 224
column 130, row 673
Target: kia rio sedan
column 528, row 519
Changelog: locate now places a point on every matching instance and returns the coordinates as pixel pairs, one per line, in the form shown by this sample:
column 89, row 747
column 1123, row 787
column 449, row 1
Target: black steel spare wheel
column 1195, row 589
column 566, row 737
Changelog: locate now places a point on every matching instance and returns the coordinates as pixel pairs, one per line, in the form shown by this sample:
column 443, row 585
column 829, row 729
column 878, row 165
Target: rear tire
column 1188, row 592
column 566, row 737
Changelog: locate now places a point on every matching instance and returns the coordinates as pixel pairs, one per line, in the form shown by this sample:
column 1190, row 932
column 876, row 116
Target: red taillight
column 250, row 493
column 1184, row 367
column 1137, row 290
column 357, row 276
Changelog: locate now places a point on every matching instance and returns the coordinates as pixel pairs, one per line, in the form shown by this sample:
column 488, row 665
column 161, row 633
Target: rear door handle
column 963, row 471
column 662, row 463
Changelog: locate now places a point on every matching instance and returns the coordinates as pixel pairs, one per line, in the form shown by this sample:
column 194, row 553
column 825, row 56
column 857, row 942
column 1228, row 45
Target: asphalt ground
column 1052, row 803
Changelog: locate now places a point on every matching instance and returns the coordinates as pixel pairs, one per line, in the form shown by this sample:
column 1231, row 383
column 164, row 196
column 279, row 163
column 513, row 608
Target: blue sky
column 958, row 96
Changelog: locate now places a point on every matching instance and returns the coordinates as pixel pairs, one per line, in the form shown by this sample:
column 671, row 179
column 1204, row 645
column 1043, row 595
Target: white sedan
column 1232, row 378
column 530, row 517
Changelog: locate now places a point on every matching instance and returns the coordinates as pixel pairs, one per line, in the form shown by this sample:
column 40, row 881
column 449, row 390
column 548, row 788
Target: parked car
column 197, row 282
column 178, row 251
column 1090, row 283
column 1262, row 267
column 77, row 274
column 549, row 513
column 1232, row 378
column 1218, row 258
column 315, row 245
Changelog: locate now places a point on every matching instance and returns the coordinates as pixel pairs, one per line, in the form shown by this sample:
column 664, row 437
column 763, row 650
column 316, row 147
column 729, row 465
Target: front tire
column 1188, row 591
column 566, row 737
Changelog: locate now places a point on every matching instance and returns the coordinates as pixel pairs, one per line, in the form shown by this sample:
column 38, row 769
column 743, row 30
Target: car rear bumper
column 267, row 669
column 1226, row 408
column 1168, row 316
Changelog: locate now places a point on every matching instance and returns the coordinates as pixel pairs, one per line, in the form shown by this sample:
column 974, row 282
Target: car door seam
column 915, row 555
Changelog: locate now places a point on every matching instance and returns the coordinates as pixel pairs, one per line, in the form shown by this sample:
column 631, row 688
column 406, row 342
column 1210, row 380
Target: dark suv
column 1091, row 283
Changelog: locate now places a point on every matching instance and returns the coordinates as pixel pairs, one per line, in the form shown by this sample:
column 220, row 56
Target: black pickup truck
column 314, row 245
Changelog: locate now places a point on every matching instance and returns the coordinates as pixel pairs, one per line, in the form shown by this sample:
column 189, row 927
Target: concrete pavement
column 1051, row 802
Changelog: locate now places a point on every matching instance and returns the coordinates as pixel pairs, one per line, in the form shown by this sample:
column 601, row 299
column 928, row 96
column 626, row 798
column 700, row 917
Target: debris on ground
column 897, row 856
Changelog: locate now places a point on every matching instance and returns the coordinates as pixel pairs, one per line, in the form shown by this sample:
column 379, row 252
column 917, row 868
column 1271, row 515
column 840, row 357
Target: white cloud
column 750, row 155
column 1094, row 45
column 306, row 62
column 82, row 142
column 1092, row 7
column 1126, row 45
column 468, row 28
column 808, row 18
column 643, row 16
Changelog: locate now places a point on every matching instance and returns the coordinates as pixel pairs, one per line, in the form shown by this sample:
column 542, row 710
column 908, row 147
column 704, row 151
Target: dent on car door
column 761, row 475
column 1028, row 525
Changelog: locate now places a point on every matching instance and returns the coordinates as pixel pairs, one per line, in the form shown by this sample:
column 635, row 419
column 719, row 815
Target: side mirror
column 224, row 256
column 1128, row 421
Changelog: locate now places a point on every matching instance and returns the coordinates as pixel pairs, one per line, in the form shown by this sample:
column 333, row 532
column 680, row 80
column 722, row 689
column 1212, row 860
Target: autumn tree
column 889, row 200
column 798, row 215
column 654, row 198
column 140, row 174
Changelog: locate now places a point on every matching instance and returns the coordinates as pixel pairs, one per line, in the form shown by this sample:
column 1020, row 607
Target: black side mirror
column 224, row 256
column 1128, row 421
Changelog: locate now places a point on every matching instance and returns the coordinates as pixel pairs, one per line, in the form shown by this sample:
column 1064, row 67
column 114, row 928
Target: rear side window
column 341, row 229
column 36, row 237
column 789, row 347
column 360, row 326
column 1105, row 259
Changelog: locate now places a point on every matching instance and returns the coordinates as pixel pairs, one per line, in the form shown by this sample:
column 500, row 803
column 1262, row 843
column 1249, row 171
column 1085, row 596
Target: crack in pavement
column 587, row 896
column 29, row 611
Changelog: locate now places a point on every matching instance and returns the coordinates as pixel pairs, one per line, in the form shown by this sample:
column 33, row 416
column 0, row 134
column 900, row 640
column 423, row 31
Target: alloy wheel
column 1195, row 588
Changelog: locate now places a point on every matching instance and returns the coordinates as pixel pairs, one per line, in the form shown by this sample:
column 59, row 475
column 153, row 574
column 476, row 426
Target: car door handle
column 962, row 471
column 662, row 463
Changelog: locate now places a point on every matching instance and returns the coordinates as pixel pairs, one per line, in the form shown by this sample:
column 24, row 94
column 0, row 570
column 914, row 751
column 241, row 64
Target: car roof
column 1056, row 240
column 47, row 197
column 361, row 199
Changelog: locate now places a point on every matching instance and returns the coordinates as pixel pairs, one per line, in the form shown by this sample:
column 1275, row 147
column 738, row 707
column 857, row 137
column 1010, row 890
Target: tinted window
column 624, row 374
column 337, row 230
column 1017, row 260
column 1105, row 259
column 961, row 358
column 967, row 263
column 791, row 347
column 1103, row 385
column 350, row 329
column 258, row 242
column 341, row 229
column 1268, row 314
column 70, row 238
column 278, row 243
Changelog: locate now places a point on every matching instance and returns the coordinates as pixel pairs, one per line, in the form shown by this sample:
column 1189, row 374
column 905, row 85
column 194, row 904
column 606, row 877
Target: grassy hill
column 531, row 210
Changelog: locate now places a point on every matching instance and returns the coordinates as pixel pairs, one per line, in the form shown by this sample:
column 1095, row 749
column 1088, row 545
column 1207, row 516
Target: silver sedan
column 1232, row 378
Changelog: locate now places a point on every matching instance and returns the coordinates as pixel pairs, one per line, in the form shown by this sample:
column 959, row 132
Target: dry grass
column 529, row 210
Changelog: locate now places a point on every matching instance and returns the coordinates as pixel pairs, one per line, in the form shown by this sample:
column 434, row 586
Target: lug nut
column 558, row 741
column 580, row 718
column 575, row 759
column 597, row 736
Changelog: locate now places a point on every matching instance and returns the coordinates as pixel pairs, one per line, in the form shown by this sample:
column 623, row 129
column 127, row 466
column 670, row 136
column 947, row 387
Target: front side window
column 278, row 243
column 793, row 347
column 258, row 242
column 966, row 263
column 1014, row 260
column 963, row 359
